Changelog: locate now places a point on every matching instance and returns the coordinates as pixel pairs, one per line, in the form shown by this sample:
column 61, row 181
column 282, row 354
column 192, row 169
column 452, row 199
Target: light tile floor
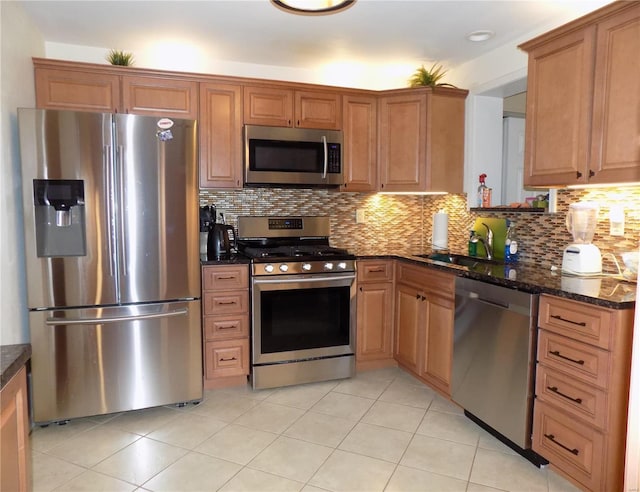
column 381, row 430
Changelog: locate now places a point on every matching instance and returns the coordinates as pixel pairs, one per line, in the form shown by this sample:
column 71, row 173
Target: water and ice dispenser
column 60, row 217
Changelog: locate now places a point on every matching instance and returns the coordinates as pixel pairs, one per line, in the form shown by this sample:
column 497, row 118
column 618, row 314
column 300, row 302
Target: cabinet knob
column 591, row 173
column 578, row 174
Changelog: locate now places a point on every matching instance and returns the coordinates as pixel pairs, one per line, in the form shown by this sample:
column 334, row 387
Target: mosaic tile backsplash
column 402, row 224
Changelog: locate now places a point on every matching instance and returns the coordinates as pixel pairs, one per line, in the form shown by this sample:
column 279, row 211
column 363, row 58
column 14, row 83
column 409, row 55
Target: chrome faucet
column 488, row 242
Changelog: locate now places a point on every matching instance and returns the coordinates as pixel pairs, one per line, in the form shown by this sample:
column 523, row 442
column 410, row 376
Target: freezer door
column 96, row 361
column 72, row 262
column 158, row 208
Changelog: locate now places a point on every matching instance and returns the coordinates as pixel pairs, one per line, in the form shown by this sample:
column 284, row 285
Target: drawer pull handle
column 376, row 270
column 227, row 360
column 558, row 354
column 228, row 327
column 560, row 318
column 226, row 303
column 556, row 391
column 227, row 278
column 552, row 438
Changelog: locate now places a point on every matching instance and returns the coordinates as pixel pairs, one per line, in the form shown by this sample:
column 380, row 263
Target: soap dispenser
column 510, row 246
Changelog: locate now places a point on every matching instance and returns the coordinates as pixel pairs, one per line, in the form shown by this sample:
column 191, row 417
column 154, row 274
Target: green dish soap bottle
column 473, row 243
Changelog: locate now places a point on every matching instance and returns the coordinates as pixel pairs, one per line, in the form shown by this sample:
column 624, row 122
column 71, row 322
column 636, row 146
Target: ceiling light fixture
column 313, row 7
column 479, row 36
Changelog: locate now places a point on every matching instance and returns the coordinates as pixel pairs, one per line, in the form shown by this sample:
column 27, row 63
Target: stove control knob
column 306, row 267
column 328, row 266
column 342, row 265
column 268, row 268
column 284, row 267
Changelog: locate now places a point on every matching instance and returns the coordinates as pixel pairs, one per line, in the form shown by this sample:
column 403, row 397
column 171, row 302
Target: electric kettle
column 221, row 239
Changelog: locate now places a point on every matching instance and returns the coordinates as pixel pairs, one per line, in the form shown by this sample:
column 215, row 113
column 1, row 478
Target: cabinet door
column 268, row 106
column 408, row 322
column 156, row 96
column 374, row 322
column 227, row 358
column 318, row 110
column 220, row 136
column 615, row 150
column 560, row 88
column 77, row 91
column 401, row 145
column 15, row 456
column 438, row 348
column 360, row 138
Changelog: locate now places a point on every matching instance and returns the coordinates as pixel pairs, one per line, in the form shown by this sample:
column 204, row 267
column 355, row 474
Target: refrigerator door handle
column 113, row 319
column 120, row 172
column 108, row 179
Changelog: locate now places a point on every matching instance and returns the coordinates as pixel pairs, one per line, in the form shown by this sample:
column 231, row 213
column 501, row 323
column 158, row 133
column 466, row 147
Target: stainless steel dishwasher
column 494, row 360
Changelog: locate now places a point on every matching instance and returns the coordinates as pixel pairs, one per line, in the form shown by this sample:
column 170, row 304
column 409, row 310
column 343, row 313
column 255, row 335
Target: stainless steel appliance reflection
column 494, row 360
column 112, row 250
column 303, row 301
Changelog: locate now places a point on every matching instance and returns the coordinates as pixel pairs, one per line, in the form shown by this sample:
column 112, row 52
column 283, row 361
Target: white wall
column 19, row 42
column 483, row 147
column 198, row 60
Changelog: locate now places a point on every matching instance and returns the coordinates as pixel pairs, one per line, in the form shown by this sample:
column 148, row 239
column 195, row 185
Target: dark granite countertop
column 607, row 291
column 232, row 259
column 12, row 358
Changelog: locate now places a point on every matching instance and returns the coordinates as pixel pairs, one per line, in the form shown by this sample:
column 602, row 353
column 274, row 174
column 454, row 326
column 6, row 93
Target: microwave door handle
column 326, row 156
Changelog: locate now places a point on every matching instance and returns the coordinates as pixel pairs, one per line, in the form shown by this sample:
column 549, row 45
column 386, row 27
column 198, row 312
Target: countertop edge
column 461, row 271
column 12, row 358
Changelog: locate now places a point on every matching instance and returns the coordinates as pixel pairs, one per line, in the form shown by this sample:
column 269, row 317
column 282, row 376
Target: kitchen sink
column 462, row 260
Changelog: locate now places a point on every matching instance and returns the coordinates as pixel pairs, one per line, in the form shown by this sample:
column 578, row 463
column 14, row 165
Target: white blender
column 582, row 257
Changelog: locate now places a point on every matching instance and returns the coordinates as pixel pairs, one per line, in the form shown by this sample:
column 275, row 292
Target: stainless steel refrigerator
column 113, row 272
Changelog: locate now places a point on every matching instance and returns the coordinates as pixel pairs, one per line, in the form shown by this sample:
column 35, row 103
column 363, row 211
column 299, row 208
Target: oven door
column 299, row 317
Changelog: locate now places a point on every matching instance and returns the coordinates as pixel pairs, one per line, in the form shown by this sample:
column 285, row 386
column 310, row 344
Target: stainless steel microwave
column 292, row 156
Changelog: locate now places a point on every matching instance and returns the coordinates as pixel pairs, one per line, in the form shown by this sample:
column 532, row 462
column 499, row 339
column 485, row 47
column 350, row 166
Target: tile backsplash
column 403, row 223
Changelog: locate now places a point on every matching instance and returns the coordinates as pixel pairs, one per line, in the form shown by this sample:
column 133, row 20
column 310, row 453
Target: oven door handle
column 291, row 280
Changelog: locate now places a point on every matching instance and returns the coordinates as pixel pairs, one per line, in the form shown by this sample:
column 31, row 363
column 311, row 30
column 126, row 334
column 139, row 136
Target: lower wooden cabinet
column 15, row 456
column 225, row 324
column 423, row 324
column 374, row 340
column 582, row 391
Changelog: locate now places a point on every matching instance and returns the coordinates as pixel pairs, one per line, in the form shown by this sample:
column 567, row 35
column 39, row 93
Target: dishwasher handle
column 498, row 304
column 476, row 296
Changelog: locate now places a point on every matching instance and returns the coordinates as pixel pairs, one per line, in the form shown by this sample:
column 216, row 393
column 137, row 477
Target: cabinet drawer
column 375, row 271
column 226, row 302
column 585, row 362
column 227, row 358
column 575, row 448
column 571, row 395
column 426, row 278
column 225, row 277
column 584, row 322
column 221, row 327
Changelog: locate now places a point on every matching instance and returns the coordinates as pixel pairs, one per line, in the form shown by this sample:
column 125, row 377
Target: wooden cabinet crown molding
column 108, row 69
column 579, row 24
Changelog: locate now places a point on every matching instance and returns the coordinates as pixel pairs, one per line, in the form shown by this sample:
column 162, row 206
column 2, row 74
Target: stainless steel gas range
column 302, row 299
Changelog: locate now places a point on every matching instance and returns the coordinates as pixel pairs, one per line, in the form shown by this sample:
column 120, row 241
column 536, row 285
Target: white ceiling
column 254, row 31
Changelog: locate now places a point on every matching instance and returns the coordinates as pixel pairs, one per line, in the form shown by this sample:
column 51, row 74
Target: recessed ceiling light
column 479, row 36
column 313, row 7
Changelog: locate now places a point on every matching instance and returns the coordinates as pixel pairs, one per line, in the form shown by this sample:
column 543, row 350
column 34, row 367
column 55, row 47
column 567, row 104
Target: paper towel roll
column 440, row 234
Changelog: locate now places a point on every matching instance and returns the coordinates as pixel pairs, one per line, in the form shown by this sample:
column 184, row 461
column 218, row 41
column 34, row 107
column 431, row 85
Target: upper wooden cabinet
column 220, row 136
column 421, row 140
column 359, row 142
column 88, row 87
column 583, row 99
column 275, row 106
column 157, row 96
column 77, row 91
